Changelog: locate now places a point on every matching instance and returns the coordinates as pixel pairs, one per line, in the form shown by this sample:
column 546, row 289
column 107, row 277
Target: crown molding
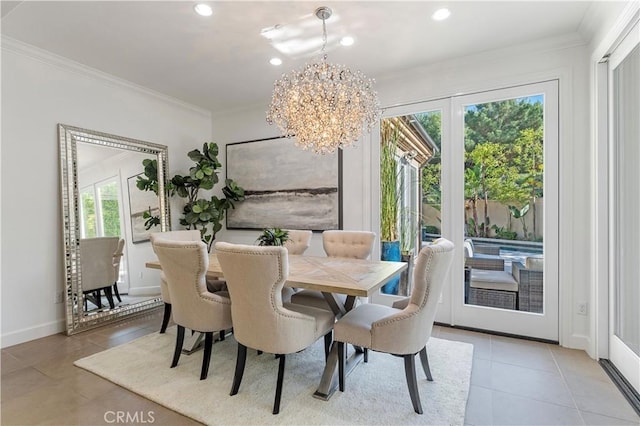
column 9, row 44
column 550, row 44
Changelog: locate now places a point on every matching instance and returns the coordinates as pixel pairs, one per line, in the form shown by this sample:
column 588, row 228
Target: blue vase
column 391, row 252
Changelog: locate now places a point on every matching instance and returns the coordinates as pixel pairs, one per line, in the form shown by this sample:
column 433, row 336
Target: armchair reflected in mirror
column 99, row 203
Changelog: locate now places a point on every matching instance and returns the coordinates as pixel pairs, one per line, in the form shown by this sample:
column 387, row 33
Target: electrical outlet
column 582, row 308
column 58, row 297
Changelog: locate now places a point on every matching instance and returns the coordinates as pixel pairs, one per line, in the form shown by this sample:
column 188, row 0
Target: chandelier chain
column 324, row 35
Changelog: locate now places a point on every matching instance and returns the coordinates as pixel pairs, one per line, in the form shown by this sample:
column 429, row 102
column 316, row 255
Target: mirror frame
column 69, row 136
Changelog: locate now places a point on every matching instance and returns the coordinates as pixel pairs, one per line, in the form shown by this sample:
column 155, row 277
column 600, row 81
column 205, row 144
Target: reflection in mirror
column 106, row 243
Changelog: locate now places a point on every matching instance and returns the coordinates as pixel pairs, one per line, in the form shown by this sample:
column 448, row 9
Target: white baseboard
column 577, row 341
column 32, row 333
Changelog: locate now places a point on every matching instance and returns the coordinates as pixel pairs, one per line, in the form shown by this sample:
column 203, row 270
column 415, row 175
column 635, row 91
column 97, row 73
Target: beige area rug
column 376, row 392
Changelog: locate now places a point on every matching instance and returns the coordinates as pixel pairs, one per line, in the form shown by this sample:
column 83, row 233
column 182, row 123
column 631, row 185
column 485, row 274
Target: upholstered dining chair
column 96, row 260
column 337, row 243
column 299, row 241
column 400, row 332
column 297, row 244
column 186, row 235
column 184, row 264
column 117, row 258
column 212, row 285
column 255, row 276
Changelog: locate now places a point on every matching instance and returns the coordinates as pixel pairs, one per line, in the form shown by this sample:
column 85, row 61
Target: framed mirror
column 102, row 204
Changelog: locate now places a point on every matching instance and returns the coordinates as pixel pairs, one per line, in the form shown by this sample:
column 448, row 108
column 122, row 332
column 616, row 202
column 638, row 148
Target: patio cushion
column 493, row 280
column 535, row 263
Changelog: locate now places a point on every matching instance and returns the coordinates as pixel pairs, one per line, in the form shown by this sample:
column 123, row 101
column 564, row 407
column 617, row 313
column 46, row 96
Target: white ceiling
column 221, row 62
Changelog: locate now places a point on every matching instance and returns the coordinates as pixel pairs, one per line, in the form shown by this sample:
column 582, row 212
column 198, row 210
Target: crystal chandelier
column 322, row 105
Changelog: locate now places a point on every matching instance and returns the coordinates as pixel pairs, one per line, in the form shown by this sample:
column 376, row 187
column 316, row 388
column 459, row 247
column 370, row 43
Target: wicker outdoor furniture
column 488, row 284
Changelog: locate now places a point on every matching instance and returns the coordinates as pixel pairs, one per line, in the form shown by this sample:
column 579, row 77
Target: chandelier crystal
column 323, row 106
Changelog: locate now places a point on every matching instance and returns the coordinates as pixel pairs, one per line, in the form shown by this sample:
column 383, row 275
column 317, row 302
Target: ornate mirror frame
column 69, row 136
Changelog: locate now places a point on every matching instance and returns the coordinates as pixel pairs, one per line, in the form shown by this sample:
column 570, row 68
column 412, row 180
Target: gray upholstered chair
column 117, row 258
column 213, row 286
column 96, row 260
column 184, row 264
column 298, row 242
column 351, row 244
column 400, row 332
column 255, row 276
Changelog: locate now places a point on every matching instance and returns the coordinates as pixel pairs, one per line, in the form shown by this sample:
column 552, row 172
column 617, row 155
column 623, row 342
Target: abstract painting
column 285, row 186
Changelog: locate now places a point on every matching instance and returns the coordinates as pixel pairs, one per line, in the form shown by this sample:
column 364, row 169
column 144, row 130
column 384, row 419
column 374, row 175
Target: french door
column 505, row 179
column 624, row 227
column 513, row 122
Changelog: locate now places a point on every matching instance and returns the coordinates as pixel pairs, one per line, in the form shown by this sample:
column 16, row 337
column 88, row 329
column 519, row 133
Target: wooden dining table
column 331, row 276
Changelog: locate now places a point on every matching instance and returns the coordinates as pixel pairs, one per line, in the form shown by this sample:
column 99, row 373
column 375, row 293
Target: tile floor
column 513, row 382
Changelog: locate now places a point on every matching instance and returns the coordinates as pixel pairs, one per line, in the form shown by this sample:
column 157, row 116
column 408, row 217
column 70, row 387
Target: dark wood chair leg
column 165, row 318
column 366, row 355
column 240, row 362
column 222, row 335
column 276, row 402
column 412, row 383
column 341, row 358
column 116, row 292
column 425, row 364
column 206, row 357
column 109, row 294
column 327, row 344
column 178, row 350
column 98, row 299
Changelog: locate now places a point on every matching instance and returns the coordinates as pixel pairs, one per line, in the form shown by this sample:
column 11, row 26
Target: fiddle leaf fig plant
column 203, row 214
column 273, row 237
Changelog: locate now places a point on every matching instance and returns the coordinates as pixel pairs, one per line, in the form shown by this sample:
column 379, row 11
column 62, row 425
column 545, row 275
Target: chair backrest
column 298, row 241
column 408, row 331
column 352, row 244
column 255, row 276
column 117, row 258
column 468, row 248
column 184, row 264
column 96, row 260
column 182, row 235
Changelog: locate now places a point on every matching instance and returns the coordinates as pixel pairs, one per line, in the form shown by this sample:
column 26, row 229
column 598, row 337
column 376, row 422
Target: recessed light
column 441, row 14
column 346, row 41
column 203, row 9
column 275, row 61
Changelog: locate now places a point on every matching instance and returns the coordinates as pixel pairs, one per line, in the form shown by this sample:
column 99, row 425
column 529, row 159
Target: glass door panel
column 418, row 131
column 624, row 343
column 505, row 167
column 503, row 203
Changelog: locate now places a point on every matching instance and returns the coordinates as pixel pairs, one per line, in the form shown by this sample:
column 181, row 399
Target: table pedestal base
column 329, row 382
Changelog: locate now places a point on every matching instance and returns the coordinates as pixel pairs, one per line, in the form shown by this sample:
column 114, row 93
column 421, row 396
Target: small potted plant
column 273, row 237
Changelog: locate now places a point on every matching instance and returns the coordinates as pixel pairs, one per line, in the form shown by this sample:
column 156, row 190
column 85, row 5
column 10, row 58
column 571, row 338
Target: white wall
column 40, row 90
column 565, row 59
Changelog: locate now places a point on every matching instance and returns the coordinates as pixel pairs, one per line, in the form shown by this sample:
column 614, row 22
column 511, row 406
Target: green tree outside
column 504, row 143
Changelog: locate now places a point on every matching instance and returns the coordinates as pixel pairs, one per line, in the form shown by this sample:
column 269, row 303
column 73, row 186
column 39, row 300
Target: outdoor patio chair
column 530, row 278
column 486, row 281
